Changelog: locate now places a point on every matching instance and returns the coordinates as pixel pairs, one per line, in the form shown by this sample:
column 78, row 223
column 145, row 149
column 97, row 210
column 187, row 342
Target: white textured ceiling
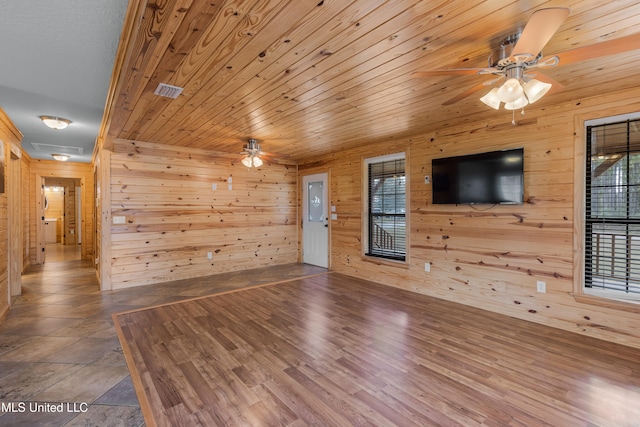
column 57, row 59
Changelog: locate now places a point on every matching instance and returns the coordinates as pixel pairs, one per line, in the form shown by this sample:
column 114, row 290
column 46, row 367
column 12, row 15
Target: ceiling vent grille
column 168, row 91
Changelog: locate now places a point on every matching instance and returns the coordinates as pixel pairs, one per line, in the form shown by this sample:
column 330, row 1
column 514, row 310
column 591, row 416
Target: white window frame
column 602, row 293
column 365, row 207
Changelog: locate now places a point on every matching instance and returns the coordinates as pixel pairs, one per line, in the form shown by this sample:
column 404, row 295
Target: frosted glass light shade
column 55, row 122
column 535, row 89
column 491, row 99
column 518, row 103
column 510, row 91
column 251, row 161
column 61, row 157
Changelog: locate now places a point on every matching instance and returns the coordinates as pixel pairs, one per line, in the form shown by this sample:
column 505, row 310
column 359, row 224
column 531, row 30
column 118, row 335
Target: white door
column 315, row 221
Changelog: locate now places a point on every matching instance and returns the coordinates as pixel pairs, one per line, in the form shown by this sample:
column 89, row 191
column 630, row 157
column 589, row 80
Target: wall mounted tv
column 495, row 177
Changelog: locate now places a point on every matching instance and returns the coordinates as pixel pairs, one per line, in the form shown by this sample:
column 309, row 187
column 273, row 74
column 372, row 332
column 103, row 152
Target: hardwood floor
column 332, row 350
column 59, row 345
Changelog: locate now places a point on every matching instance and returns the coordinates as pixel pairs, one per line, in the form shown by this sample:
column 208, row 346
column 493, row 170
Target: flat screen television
column 495, row 177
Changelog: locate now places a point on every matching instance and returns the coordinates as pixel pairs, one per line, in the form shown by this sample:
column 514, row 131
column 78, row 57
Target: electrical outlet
column 209, row 255
column 427, row 267
column 214, row 187
column 541, row 286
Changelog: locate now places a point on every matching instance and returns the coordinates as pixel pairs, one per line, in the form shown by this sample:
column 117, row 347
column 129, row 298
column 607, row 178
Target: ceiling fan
column 520, row 53
column 252, row 153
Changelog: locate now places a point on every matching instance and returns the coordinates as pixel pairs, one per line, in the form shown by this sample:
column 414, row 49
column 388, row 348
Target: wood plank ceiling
column 309, row 77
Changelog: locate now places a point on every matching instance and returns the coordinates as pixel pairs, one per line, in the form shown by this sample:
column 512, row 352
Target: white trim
column 603, row 293
column 612, row 119
column 386, row 158
column 614, row 295
column 365, row 206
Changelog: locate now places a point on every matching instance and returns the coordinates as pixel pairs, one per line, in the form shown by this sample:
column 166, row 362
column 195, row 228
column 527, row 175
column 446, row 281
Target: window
column 386, row 226
column 612, row 208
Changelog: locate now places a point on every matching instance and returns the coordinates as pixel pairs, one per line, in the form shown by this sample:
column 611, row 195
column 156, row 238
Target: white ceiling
column 57, row 59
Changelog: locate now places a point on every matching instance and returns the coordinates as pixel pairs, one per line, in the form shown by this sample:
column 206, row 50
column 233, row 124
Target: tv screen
column 495, row 177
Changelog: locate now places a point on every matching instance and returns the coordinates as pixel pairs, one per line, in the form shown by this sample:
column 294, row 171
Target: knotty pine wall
column 173, row 217
column 10, row 249
column 27, row 218
column 491, row 256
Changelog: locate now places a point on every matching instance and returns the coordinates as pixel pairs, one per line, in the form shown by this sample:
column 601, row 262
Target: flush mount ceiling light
column 55, row 122
column 61, row 157
column 252, row 152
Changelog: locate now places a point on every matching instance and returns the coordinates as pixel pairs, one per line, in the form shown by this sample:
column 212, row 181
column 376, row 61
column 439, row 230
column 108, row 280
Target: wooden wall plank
column 10, row 205
column 173, row 217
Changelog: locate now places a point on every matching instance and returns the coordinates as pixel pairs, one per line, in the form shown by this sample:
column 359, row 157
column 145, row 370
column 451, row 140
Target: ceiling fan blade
column 609, row 47
column 454, row 72
column 542, row 25
column 466, row 93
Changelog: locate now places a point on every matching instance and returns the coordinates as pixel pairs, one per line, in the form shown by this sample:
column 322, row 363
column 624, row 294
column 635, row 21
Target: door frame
column 325, row 176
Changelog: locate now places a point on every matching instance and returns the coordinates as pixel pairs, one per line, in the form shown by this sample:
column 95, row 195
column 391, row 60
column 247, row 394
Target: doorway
column 315, row 220
column 61, row 219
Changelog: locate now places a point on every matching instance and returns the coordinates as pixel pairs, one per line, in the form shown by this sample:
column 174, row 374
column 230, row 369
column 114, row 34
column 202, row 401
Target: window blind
column 612, row 223
column 387, row 209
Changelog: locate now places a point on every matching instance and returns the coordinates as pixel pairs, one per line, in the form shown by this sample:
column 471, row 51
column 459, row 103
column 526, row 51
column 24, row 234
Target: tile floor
column 59, row 349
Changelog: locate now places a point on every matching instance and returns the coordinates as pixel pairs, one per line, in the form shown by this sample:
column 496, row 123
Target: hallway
column 59, row 346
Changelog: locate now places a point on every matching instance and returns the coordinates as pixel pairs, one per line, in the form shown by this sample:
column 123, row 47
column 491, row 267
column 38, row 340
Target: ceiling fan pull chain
column 513, row 117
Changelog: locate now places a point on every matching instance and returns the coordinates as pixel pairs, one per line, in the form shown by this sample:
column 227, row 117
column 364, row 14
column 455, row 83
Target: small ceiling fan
column 520, row 53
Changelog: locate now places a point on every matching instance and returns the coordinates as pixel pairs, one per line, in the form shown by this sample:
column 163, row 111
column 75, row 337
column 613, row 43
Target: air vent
column 168, row 91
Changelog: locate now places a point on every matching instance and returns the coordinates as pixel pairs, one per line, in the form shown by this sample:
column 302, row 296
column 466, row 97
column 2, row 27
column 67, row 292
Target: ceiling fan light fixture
column 252, row 161
column 510, row 91
column 252, row 153
column 55, row 122
column 517, row 104
column 257, row 162
column 535, row 89
column 491, row 99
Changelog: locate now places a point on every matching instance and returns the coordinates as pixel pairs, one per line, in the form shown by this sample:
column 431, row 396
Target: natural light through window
column 386, row 225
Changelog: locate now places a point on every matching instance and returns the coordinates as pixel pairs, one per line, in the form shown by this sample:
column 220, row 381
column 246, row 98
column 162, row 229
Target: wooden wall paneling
column 70, row 214
column 103, row 217
column 97, row 218
column 14, row 206
column 491, row 256
column 173, row 217
column 10, row 177
column 26, row 210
